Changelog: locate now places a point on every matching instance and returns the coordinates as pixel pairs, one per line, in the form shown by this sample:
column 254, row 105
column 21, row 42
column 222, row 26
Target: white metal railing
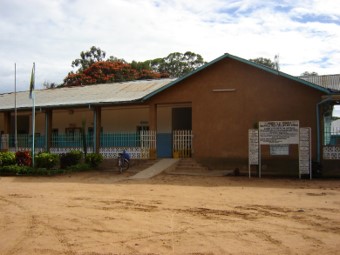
column 332, row 136
column 182, row 143
column 4, row 142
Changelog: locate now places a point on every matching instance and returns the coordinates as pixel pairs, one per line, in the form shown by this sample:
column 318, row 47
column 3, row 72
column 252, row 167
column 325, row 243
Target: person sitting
column 126, row 155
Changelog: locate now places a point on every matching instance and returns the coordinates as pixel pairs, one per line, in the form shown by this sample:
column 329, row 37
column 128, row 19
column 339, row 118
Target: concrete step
column 189, row 165
column 192, row 168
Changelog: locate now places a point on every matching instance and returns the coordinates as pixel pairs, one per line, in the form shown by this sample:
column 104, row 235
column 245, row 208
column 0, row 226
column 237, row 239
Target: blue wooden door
column 164, row 145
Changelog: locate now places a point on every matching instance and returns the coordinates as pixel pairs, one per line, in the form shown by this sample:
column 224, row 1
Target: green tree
column 49, row 85
column 146, row 65
column 265, row 62
column 177, row 64
column 115, row 59
column 306, row 73
column 150, row 66
column 87, row 58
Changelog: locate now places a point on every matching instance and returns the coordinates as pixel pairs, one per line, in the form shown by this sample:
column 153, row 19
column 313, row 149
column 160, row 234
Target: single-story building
column 205, row 115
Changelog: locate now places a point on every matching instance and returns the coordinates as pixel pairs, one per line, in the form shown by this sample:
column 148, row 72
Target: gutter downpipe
column 318, row 127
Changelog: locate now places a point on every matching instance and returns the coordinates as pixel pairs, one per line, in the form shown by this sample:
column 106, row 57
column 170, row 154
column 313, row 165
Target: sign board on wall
column 279, row 135
column 279, row 150
column 279, row 132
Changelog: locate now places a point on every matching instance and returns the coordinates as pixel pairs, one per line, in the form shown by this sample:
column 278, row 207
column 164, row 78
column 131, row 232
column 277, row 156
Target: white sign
column 253, row 135
column 279, row 150
column 279, row 132
column 305, row 151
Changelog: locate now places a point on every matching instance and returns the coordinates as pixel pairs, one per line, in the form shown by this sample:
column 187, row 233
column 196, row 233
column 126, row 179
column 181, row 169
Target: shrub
column 15, row 170
column 27, row 170
column 9, row 170
column 69, row 159
column 79, row 167
column 93, row 159
column 7, row 158
column 46, row 160
column 40, row 171
column 24, row 170
column 23, row 158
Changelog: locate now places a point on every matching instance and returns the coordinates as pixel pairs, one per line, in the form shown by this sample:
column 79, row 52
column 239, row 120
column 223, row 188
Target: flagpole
column 32, row 94
column 33, row 130
column 15, row 109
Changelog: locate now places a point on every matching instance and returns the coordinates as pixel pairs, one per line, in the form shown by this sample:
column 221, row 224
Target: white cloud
column 52, row 33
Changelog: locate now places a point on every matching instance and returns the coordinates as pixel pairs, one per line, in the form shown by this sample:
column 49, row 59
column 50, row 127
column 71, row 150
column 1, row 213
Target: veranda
column 140, row 145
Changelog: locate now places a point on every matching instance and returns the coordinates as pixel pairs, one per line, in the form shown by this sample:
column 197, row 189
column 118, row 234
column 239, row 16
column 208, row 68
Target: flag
column 32, row 80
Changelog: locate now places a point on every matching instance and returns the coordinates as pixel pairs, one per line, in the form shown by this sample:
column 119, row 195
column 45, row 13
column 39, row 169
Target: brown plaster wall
column 220, row 120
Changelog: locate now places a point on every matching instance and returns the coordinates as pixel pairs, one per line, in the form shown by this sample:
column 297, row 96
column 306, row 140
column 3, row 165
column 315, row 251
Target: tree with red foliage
column 77, row 79
column 108, row 72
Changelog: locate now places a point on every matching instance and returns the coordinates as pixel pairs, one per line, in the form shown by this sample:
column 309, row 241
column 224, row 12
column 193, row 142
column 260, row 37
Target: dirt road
column 103, row 213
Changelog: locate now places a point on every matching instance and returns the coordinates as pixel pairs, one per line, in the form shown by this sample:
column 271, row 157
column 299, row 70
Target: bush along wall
column 23, row 158
column 70, row 159
column 94, row 159
column 20, row 163
column 7, row 158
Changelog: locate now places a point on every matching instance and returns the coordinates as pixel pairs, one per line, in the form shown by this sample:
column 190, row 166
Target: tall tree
column 49, row 85
column 177, row 64
column 306, row 73
column 87, row 58
column 265, row 62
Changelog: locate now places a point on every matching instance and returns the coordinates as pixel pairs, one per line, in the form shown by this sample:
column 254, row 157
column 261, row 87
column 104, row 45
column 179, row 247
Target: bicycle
column 123, row 162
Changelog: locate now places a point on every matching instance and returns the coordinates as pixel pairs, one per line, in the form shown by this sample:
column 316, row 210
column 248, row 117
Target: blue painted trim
column 164, row 145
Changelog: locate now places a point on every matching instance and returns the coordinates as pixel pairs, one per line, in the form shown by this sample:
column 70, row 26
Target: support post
column 153, row 128
column 48, row 129
column 97, row 112
column 7, row 122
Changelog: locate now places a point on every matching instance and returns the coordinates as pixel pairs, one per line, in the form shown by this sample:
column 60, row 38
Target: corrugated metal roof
column 113, row 93
column 327, row 81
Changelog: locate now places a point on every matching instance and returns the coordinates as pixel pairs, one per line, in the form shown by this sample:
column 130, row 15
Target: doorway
column 170, row 119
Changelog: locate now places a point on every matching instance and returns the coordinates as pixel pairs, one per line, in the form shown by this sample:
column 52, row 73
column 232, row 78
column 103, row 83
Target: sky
column 305, row 33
